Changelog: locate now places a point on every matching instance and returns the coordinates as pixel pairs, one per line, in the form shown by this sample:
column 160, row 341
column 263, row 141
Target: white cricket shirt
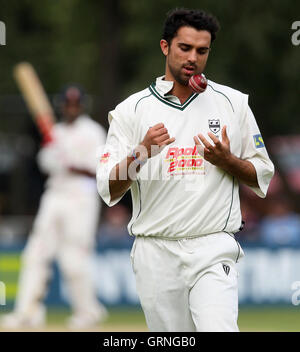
column 177, row 193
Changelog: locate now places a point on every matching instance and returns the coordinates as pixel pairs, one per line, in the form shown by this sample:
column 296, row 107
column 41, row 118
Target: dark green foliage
column 112, row 48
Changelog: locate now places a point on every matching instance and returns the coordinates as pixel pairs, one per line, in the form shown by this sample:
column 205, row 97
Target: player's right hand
column 156, row 138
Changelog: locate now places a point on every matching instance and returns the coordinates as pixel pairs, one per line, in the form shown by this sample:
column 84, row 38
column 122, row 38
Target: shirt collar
column 162, row 86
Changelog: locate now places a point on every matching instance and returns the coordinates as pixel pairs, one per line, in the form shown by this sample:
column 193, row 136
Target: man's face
column 71, row 110
column 187, row 54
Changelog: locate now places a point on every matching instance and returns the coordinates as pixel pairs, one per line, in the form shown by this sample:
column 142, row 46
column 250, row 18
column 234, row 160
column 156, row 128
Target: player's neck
column 69, row 120
column 180, row 91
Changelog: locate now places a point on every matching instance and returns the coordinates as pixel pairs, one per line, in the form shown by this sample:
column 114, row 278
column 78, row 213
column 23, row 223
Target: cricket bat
column 35, row 97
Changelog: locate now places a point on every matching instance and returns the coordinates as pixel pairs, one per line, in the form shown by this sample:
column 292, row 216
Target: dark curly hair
column 197, row 19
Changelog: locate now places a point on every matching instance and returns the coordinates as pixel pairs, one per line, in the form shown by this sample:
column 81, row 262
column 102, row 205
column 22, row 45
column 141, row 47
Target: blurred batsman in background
column 67, row 220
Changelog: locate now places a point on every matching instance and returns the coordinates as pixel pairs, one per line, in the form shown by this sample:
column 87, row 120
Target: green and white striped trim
column 171, row 103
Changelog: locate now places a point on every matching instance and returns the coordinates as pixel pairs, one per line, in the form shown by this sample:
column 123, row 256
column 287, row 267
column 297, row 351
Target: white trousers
column 64, row 230
column 188, row 284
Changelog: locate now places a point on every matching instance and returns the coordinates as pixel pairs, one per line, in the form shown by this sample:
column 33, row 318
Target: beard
column 179, row 77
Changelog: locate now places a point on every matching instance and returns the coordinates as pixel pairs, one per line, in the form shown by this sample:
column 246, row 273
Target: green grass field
column 251, row 319
column 269, row 319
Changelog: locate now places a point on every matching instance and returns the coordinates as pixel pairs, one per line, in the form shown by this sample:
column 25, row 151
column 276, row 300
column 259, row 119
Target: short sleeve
column 118, row 146
column 254, row 150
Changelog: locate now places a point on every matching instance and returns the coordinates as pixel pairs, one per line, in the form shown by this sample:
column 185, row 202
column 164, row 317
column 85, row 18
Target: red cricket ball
column 198, row 83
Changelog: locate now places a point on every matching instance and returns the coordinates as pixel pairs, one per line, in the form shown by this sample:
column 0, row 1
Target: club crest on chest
column 214, row 125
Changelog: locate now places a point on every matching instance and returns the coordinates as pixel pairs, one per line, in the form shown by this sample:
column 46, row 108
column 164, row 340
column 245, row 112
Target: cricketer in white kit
column 65, row 226
column 186, row 206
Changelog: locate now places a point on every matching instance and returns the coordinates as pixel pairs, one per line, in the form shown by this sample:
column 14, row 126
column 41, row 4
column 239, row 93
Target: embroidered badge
column 226, row 269
column 258, row 141
column 104, row 158
column 214, row 125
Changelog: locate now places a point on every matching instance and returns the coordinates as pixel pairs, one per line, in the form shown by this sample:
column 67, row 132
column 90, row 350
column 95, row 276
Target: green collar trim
column 171, row 103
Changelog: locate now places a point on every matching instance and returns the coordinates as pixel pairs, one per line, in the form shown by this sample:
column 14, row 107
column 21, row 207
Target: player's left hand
column 218, row 153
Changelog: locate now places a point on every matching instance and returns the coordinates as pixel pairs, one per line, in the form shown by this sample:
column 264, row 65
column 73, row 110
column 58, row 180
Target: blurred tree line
column 112, row 48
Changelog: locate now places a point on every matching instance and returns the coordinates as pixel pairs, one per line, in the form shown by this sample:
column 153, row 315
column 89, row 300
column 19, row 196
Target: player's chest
column 73, row 138
column 202, row 116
